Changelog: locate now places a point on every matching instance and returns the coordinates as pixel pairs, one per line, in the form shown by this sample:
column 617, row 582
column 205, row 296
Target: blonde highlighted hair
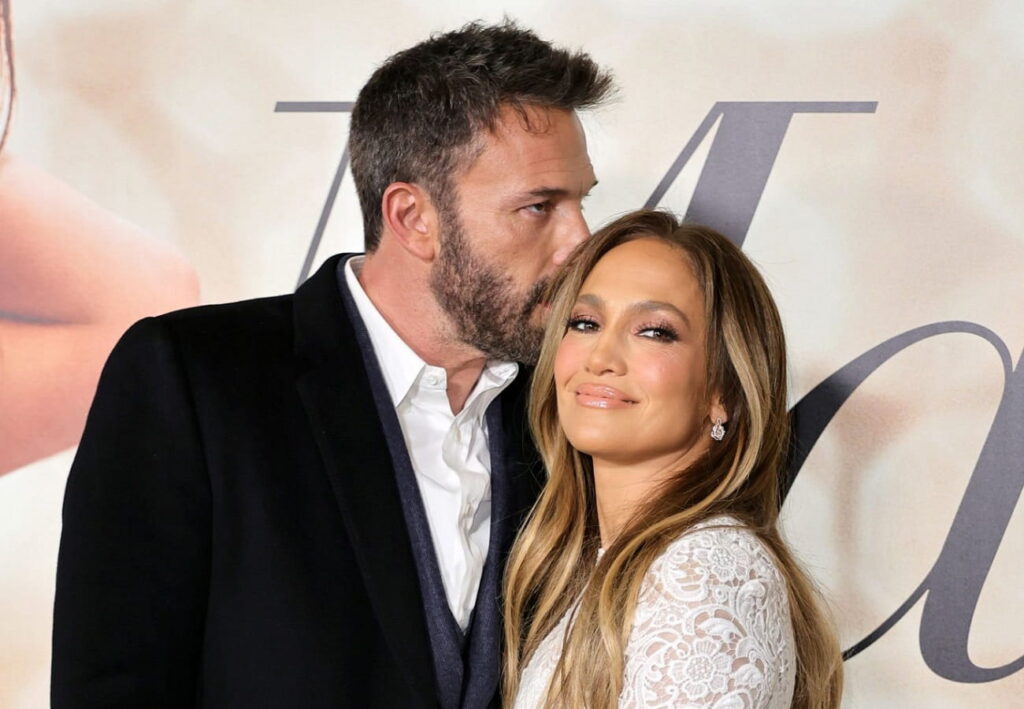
column 554, row 561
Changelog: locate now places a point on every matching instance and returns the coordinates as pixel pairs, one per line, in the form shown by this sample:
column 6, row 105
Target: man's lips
column 602, row 396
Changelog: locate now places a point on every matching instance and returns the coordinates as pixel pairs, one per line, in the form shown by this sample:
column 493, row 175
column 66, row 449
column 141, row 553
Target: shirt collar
column 399, row 364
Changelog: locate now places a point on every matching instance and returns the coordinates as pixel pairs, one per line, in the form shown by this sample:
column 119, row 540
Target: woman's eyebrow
column 647, row 305
column 641, row 306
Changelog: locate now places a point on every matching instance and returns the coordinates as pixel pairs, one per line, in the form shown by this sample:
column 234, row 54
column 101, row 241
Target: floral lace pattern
column 711, row 629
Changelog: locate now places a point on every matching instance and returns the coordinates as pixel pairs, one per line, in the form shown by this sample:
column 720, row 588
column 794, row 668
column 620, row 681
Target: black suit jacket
column 233, row 535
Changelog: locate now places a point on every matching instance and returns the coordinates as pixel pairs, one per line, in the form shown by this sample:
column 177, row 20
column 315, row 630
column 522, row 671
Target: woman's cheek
column 667, row 382
column 661, row 374
column 566, row 359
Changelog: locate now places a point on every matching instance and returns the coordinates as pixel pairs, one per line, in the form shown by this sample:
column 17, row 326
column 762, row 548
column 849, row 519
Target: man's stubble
column 487, row 310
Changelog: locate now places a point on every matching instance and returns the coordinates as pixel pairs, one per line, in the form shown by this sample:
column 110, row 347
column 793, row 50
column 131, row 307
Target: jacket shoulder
column 212, row 341
column 258, row 317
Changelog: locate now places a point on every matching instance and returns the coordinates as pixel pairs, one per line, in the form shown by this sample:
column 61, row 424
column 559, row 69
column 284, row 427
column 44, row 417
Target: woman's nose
column 606, row 356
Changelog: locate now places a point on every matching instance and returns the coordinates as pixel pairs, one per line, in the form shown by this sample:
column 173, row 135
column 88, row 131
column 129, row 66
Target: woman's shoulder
column 715, row 554
column 722, row 532
column 711, row 624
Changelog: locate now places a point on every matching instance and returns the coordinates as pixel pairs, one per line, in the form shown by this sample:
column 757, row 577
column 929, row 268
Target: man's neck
column 403, row 297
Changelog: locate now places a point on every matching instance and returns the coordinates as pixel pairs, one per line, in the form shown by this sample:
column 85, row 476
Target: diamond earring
column 718, row 430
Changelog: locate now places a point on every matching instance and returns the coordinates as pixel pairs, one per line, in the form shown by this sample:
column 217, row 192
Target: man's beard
column 482, row 301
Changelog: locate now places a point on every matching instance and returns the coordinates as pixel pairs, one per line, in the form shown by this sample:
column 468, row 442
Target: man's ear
column 410, row 216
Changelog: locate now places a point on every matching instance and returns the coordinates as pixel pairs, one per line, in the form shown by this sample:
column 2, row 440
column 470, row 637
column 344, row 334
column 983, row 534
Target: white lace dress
column 712, row 629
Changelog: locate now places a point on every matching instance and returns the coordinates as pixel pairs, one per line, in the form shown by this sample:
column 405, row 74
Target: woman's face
column 630, row 372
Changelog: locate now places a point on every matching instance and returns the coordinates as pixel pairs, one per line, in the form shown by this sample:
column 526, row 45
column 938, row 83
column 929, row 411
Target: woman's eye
column 658, row 332
column 581, row 324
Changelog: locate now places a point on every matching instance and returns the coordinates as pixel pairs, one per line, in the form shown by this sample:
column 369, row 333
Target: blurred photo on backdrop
column 73, row 277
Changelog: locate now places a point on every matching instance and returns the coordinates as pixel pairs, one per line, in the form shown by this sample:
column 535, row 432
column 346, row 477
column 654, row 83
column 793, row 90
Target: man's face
column 518, row 217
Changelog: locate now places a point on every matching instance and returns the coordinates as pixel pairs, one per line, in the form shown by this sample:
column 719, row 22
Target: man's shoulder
column 236, row 332
column 252, row 315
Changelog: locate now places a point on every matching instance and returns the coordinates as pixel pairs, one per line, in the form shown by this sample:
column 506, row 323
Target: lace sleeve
column 712, row 627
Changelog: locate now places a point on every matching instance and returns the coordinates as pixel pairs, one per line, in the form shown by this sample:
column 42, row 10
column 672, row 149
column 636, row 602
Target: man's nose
column 573, row 232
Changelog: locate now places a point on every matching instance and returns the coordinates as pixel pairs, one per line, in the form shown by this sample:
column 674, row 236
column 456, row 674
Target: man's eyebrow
column 549, row 192
column 544, row 192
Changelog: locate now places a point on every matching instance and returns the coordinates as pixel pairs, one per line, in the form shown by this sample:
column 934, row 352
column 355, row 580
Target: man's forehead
column 531, row 119
column 547, row 156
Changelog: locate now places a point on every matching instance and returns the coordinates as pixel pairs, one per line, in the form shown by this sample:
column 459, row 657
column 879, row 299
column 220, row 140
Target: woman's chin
column 598, row 444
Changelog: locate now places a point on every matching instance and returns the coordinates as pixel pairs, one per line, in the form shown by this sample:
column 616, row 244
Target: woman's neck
column 621, row 487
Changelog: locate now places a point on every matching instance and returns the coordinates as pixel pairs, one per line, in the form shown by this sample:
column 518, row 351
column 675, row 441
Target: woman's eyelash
column 581, row 323
column 662, row 331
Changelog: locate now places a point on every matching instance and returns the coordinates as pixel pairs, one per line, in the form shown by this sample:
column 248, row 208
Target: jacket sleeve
column 133, row 567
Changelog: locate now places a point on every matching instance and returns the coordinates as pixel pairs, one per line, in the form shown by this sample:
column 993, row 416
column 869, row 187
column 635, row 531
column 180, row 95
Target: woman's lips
column 601, row 396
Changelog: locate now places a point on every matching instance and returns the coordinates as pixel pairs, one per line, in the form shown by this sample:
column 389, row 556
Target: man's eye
column 538, row 208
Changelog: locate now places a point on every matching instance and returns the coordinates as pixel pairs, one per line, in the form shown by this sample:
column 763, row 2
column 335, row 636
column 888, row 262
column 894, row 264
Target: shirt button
column 432, row 380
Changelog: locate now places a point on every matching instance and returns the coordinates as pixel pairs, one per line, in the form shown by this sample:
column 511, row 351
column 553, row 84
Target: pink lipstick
column 601, row 396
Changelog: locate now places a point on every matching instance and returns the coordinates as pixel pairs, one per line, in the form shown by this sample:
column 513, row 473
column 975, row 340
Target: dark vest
column 466, row 664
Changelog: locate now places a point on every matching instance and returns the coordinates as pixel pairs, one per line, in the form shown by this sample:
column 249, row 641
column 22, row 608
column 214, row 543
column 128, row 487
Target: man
column 305, row 501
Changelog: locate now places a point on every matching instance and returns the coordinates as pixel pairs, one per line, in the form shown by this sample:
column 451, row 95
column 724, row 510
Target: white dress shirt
column 449, row 452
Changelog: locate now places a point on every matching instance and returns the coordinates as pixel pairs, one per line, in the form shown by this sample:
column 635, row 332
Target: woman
column 651, row 572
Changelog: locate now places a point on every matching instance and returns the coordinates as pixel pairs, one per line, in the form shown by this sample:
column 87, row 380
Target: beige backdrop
column 162, row 111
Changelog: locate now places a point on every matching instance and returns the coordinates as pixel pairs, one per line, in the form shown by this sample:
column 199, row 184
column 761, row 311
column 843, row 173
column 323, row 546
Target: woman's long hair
column 554, row 561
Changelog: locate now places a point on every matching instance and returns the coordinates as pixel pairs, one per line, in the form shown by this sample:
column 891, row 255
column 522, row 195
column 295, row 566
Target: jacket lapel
column 523, row 466
column 515, row 483
column 339, row 403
